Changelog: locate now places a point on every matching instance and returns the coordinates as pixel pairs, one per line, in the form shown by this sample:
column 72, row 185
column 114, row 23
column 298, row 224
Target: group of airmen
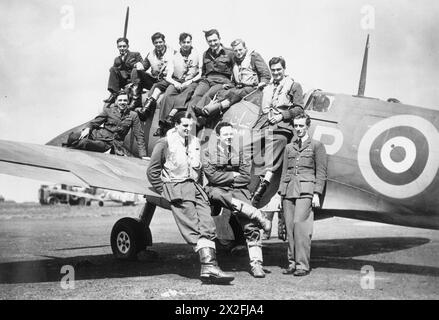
column 191, row 92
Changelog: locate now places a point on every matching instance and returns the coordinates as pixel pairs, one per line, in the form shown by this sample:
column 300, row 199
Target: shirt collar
column 160, row 54
column 186, row 54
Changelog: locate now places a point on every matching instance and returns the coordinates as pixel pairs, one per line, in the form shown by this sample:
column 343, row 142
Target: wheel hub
column 123, row 242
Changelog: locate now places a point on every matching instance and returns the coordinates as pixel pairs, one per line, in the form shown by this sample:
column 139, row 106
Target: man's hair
column 210, row 32
column 303, row 115
column 183, row 36
column 276, row 60
column 122, row 92
column 122, row 39
column 180, row 115
column 157, row 35
column 237, row 42
column 222, row 125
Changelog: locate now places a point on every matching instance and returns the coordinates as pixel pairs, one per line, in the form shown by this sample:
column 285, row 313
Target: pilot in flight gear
column 228, row 174
column 282, row 100
column 117, row 120
column 304, row 175
column 250, row 75
column 174, row 172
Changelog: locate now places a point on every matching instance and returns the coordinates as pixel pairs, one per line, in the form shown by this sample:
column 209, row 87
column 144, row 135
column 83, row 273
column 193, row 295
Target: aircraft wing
column 74, row 167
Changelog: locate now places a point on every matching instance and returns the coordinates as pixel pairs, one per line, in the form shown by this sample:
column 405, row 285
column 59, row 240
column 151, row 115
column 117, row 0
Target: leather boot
column 159, row 132
column 212, row 108
column 136, row 101
column 210, row 271
column 257, row 196
column 255, row 255
column 146, row 109
column 253, row 213
column 111, row 98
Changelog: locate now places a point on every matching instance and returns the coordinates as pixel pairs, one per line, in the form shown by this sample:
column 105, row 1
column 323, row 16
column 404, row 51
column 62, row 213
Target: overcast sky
column 55, row 55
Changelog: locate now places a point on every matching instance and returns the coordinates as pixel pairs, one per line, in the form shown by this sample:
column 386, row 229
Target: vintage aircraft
column 383, row 163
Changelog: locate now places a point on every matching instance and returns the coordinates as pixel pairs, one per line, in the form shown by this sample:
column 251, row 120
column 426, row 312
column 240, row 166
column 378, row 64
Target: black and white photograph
column 219, row 155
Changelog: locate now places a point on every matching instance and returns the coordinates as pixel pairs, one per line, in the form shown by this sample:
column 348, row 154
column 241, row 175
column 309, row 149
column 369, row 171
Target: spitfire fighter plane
column 383, row 160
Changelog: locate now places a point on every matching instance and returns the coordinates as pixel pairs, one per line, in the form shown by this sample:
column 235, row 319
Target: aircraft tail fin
column 362, row 84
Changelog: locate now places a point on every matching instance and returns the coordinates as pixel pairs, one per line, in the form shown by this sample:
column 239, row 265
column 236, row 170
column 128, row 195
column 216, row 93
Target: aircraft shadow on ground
column 179, row 259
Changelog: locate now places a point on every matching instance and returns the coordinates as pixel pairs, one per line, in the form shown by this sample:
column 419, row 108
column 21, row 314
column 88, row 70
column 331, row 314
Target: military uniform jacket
column 304, row 170
column 116, row 125
column 289, row 103
column 221, row 65
column 131, row 58
column 219, row 165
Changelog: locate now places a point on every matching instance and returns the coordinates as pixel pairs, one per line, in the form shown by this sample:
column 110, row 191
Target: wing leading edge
column 74, row 167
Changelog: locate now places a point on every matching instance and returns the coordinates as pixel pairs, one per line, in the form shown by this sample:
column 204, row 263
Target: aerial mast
column 362, row 85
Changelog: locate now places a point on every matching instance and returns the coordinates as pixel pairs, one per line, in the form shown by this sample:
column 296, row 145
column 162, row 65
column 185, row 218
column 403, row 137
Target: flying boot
column 136, row 100
column 215, row 107
column 255, row 255
column 111, row 98
column 252, row 213
column 210, row 271
column 257, row 195
column 146, row 109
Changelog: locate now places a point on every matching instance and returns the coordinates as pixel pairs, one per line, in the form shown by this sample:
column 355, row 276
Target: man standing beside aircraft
column 228, row 173
column 250, row 72
column 216, row 70
column 120, row 72
column 117, row 120
column 304, row 175
column 282, row 100
column 174, row 172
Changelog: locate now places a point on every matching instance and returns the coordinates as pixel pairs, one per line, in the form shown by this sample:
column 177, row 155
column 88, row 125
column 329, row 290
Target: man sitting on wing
column 250, row 72
column 108, row 130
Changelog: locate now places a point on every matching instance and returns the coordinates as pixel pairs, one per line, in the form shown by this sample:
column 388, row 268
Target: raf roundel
column 399, row 156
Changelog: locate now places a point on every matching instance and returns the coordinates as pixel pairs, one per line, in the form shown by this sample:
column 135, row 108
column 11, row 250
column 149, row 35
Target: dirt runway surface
column 351, row 259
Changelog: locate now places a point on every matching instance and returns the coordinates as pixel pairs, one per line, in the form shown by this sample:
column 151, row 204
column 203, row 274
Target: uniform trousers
column 223, row 196
column 174, row 99
column 193, row 216
column 299, row 219
column 117, row 79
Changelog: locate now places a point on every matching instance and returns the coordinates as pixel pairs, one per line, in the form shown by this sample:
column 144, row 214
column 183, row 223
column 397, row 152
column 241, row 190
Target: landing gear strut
column 129, row 236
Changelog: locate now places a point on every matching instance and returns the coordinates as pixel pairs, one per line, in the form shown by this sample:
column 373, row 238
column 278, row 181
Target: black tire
column 53, row 201
column 101, row 203
column 127, row 239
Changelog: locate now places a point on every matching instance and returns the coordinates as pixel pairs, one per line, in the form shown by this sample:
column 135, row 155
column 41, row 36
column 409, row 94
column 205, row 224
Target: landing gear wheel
column 128, row 238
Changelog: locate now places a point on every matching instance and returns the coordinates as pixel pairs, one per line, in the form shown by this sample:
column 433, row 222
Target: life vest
column 277, row 96
column 159, row 65
column 244, row 73
column 181, row 161
column 186, row 68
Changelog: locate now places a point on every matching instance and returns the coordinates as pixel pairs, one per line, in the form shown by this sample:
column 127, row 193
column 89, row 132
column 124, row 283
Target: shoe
column 158, row 133
column 169, row 121
column 257, row 195
column 301, row 272
column 289, row 270
column 198, row 111
column 147, row 106
column 257, row 271
column 111, row 98
column 210, row 271
column 136, row 100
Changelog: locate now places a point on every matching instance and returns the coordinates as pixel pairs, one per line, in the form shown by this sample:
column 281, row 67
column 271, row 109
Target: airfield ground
column 36, row 242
